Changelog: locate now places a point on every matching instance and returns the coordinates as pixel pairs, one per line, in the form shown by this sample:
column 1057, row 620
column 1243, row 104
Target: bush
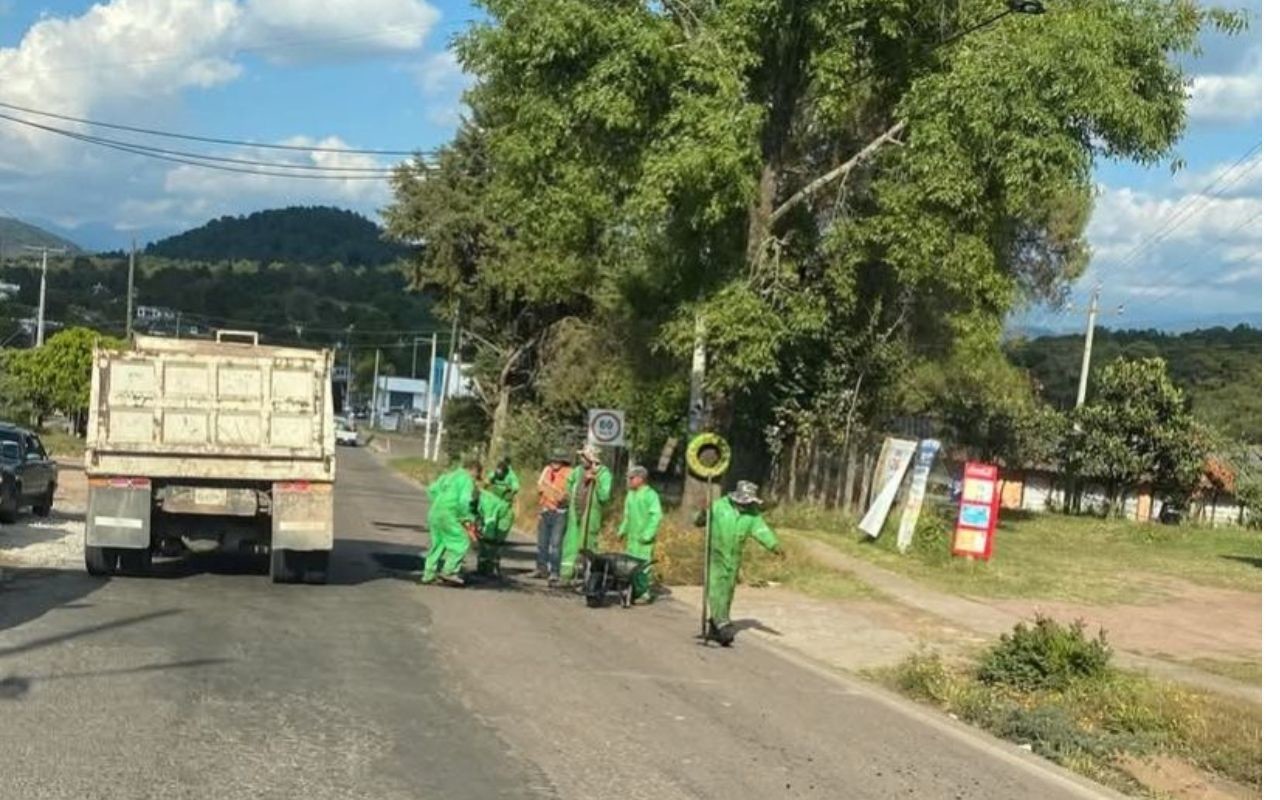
column 1045, row 655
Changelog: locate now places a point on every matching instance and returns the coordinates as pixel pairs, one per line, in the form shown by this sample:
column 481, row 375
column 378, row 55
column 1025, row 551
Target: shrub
column 1045, row 655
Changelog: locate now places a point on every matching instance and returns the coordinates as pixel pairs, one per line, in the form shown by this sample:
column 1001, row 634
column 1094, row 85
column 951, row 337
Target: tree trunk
column 814, row 493
column 498, row 433
column 791, row 470
column 850, row 477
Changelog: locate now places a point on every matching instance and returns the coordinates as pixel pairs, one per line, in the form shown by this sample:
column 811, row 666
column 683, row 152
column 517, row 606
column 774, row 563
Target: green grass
column 61, row 444
column 1055, row 557
column 1092, row 726
column 1244, row 670
column 678, row 561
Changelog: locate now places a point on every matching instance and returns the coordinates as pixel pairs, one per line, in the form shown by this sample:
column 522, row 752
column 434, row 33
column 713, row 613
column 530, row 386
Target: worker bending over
column 496, row 518
column 451, row 521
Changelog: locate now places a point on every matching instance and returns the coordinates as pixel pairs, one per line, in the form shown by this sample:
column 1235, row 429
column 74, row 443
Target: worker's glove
column 472, row 532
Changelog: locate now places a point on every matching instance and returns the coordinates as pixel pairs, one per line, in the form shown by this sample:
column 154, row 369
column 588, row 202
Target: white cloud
column 136, row 61
column 1199, row 241
column 1226, row 98
column 307, row 30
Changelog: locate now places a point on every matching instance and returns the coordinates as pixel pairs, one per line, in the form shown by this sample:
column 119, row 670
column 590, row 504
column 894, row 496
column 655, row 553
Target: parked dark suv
column 28, row 477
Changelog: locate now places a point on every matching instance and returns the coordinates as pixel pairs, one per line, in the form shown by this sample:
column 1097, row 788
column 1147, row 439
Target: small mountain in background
column 16, row 235
column 296, row 235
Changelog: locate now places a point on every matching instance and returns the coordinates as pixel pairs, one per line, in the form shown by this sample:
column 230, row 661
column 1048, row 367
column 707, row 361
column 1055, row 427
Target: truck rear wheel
column 135, row 561
column 44, row 506
column 316, row 567
column 100, row 561
column 8, row 503
column 284, row 566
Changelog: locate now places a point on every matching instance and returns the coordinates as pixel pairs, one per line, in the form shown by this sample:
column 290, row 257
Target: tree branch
column 817, row 184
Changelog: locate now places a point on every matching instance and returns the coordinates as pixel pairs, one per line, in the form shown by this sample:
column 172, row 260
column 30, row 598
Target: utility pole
column 177, row 326
column 431, row 398
column 44, row 280
column 1091, row 319
column 377, row 366
column 448, row 379
column 128, row 305
column 347, row 399
column 413, row 371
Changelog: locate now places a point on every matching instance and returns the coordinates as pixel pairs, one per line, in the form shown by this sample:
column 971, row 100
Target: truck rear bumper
column 119, row 513
column 302, row 516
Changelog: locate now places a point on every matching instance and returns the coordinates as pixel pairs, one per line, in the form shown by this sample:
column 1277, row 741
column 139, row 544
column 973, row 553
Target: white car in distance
column 347, row 435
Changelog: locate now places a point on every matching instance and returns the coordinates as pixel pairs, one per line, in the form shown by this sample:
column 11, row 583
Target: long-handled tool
column 706, row 569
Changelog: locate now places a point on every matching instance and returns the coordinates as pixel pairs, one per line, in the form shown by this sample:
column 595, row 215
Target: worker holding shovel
column 590, row 485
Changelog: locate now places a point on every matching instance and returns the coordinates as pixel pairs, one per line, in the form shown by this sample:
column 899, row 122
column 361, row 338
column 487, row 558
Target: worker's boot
column 455, row 581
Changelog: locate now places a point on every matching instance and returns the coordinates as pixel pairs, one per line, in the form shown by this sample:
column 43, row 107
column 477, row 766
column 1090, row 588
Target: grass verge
column 1053, row 556
column 61, row 444
column 1029, row 688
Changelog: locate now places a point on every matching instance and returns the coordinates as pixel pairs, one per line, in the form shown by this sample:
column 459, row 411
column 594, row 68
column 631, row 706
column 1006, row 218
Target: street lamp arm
column 816, row 185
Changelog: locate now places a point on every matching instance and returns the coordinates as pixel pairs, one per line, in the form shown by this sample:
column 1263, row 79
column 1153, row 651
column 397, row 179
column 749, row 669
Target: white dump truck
column 222, row 446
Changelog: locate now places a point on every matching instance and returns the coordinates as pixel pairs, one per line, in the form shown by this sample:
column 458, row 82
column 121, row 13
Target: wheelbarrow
column 605, row 574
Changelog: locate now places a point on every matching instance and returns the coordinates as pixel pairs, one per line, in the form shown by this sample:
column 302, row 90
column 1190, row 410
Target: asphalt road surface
column 217, row 684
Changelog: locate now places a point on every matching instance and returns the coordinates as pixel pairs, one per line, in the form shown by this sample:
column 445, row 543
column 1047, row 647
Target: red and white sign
column 975, row 532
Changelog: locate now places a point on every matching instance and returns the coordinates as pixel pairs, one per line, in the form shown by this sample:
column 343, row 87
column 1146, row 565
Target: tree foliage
column 56, row 376
column 1136, row 428
column 1219, row 369
column 819, row 183
column 294, row 235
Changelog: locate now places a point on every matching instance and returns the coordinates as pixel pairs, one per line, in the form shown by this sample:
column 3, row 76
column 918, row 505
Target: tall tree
column 1136, row 427
column 475, row 264
column 812, row 177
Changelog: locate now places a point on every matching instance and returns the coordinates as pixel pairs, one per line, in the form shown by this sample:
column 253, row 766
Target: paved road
column 201, row 685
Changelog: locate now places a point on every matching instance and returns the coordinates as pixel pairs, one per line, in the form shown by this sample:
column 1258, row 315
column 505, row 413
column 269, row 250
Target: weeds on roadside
column 1051, row 687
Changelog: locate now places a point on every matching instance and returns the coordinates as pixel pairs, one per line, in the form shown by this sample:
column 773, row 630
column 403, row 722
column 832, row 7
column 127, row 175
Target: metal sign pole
column 706, row 567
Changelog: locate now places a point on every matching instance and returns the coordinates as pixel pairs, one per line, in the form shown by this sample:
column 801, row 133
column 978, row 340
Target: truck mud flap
column 119, row 513
column 302, row 516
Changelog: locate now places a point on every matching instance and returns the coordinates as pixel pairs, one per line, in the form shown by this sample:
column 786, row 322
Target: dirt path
column 1142, row 630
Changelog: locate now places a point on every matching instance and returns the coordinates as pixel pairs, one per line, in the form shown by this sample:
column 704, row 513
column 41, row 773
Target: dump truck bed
column 220, row 410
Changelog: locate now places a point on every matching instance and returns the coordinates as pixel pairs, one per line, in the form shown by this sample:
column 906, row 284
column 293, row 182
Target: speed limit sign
column 606, row 427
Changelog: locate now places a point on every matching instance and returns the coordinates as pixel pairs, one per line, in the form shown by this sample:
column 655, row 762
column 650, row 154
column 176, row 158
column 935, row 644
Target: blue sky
column 1173, row 248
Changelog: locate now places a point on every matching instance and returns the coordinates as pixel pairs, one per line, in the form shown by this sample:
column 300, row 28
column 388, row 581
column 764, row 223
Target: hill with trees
column 294, row 235
column 16, row 236
column 1219, row 369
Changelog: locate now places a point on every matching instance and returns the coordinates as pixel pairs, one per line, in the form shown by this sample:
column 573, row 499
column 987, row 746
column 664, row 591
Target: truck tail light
column 121, row 483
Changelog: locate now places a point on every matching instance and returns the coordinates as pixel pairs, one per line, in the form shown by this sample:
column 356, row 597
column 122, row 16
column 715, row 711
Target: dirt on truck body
column 210, row 446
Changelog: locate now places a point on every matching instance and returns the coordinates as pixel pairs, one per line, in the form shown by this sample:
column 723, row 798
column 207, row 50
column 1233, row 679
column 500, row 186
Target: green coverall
column 506, row 487
column 640, row 519
column 730, row 527
column 496, row 519
column 450, row 497
column 583, row 525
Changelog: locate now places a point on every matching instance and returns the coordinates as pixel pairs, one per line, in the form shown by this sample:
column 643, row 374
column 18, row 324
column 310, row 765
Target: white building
column 8, row 290
column 411, row 394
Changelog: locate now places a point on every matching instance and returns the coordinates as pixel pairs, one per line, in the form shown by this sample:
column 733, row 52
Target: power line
column 1197, row 203
column 224, row 159
column 129, row 148
column 207, row 139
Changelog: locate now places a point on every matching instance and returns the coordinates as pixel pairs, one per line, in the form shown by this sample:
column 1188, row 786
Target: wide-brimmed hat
column 746, row 494
column 638, row 472
column 590, row 452
column 561, row 456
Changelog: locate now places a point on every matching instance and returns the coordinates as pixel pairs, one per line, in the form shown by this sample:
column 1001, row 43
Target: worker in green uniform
column 733, row 518
column 641, row 516
column 590, row 486
column 496, row 519
column 451, row 521
column 503, row 481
